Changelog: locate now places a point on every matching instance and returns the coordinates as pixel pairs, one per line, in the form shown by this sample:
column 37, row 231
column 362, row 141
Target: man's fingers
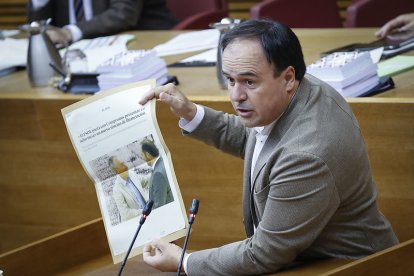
column 150, row 252
column 166, row 98
column 158, row 244
column 146, row 97
column 177, row 101
column 147, row 251
column 155, row 93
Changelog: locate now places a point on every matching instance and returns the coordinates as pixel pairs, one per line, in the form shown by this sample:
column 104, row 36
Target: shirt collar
column 123, row 182
column 264, row 130
column 156, row 160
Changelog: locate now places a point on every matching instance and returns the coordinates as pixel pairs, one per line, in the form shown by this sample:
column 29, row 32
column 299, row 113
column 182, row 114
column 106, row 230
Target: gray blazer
column 110, row 16
column 160, row 191
column 313, row 194
column 125, row 201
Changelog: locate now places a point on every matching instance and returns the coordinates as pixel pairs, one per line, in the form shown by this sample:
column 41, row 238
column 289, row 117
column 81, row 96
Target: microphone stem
column 180, row 264
column 130, row 248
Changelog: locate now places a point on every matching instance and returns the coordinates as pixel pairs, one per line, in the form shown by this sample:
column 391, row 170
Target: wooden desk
column 201, row 82
column 80, row 251
column 44, row 190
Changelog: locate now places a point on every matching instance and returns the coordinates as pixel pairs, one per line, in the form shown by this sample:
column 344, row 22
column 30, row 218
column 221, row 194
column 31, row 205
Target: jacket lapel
column 282, row 125
column 129, row 197
column 260, row 163
column 264, row 155
column 247, row 215
column 293, row 110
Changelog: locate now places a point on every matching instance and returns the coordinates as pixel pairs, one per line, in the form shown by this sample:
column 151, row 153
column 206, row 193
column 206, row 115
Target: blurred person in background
column 73, row 20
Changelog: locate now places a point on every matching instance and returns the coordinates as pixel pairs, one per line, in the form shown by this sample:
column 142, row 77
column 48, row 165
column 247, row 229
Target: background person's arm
column 121, row 15
column 403, row 24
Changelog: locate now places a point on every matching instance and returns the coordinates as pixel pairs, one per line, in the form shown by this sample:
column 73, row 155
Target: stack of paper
column 95, row 52
column 131, row 66
column 350, row 73
column 13, row 53
column 189, row 42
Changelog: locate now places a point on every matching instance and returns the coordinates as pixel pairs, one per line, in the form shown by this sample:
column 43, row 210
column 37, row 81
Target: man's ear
column 289, row 77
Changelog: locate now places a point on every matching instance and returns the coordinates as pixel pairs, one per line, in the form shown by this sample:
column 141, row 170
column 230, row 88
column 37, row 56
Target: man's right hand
column 169, row 94
column 59, row 36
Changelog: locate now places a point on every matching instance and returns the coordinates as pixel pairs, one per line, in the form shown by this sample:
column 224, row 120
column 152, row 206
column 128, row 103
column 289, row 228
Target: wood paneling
column 66, row 249
column 388, row 130
column 44, row 187
column 12, row 13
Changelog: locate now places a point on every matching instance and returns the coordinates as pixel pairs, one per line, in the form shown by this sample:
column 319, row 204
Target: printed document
column 120, row 146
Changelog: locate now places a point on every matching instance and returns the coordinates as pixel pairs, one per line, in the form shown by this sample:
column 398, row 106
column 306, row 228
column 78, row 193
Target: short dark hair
column 149, row 147
column 280, row 44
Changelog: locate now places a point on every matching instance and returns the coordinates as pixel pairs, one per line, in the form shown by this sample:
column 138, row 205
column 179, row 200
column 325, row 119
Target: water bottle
column 41, row 52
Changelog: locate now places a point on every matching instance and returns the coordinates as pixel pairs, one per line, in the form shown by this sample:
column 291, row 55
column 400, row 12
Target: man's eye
column 230, row 81
column 249, row 82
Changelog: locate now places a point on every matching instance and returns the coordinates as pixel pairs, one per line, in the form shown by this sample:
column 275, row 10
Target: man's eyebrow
column 243, row 74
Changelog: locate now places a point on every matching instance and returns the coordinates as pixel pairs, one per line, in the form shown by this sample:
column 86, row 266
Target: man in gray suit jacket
column 100, row 17
column 160, row 191
column 127, row 192
column 308, row 191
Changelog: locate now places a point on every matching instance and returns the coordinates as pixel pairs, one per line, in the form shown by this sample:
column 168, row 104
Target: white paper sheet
column 13, row 52
column 189, row 42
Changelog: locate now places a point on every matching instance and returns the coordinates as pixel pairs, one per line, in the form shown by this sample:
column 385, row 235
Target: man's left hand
column 162, row 255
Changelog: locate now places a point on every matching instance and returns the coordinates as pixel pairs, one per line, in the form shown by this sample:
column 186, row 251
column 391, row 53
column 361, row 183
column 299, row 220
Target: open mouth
column 244, row 112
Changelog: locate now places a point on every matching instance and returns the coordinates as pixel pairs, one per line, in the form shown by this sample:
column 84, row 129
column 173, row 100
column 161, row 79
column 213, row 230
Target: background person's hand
column 60, row 36
column 402, row 24
column 162, row 255
column 169, row 94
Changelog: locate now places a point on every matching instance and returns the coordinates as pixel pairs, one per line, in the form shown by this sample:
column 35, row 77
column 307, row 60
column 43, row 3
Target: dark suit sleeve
column 160, row 189
column 121, row 15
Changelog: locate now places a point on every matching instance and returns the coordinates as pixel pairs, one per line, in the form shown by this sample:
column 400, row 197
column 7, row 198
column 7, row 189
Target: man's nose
column 237, row 93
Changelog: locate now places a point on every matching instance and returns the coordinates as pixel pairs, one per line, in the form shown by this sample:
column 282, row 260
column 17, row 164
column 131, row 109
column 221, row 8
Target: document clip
column 80, row 83
column 77, row 83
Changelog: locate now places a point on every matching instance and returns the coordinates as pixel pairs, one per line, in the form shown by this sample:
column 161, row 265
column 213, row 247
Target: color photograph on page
column 120, row 146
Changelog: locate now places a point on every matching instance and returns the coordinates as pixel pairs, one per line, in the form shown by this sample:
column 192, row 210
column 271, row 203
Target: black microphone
column 191, row 217
column 145, row 213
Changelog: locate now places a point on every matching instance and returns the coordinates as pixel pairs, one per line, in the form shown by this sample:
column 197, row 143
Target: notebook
column 395, row 65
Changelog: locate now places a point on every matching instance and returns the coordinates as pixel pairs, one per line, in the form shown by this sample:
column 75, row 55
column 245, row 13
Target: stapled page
column 109, row 131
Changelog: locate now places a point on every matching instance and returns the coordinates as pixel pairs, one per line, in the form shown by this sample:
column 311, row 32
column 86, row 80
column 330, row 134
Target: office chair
column 375, row 13
column 197, row 14
column 299, row 13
